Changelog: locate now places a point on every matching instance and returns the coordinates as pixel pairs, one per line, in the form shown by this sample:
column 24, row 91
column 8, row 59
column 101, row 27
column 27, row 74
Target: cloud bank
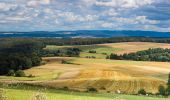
column 52, row 15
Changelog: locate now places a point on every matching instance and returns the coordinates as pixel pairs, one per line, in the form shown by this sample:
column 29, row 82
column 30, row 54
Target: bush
column 162, row 90
column 92, row 51
column 92, row 89
column 19, row 73
column 11, row 73
column 65, row 88
column 142, row 92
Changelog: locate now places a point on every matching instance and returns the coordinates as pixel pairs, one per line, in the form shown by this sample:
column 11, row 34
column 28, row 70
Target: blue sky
column 53, row 15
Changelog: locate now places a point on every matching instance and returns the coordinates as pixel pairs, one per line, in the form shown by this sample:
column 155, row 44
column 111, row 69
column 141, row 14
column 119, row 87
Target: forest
column 86, row 41
column 19, row 55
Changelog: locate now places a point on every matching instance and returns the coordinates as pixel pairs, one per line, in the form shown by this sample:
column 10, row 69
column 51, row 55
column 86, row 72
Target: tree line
column 152, row 54
column 88, row 41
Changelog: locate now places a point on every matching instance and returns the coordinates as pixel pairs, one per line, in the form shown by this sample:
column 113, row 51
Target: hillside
column 104, row 75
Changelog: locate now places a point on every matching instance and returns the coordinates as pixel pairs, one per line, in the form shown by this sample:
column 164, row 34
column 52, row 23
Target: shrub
column 162, row 90
column 92, row 51
column 92, row 89
column 142, row 92
column 11, row 73
column 65, row 88
column 19, row 73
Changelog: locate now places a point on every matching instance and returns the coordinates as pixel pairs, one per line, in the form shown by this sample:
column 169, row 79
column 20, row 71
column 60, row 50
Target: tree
column 19, row 73
column 162, row 90
column 142, row 92
column 168, row 85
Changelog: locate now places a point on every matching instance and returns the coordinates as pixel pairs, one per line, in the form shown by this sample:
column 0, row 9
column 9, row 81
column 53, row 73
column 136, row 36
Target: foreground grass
column 20, row 92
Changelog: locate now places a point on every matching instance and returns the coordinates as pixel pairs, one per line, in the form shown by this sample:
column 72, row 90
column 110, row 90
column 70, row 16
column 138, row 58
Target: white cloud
column 7, row 6
column 155, row 28
column 134, row 20
column 72, row 17
column 107, row 25
column 18, row 18
column 35, row 3
column 123, row 3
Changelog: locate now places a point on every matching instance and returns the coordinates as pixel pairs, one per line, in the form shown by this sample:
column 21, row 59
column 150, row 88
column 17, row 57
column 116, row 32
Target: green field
column 101, row 51
column 28, row 92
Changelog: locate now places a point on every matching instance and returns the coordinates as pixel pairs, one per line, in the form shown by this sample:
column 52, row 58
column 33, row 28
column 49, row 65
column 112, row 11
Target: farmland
column 106, row 76
column 105, row 49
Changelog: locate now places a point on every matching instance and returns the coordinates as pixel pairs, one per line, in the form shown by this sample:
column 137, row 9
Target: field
column 28, row 92
column 105, row 49
column 106, row 76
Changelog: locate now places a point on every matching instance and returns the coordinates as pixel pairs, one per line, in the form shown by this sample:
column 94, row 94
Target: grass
column 101, row 51
column 26, row 92
column 44, row 77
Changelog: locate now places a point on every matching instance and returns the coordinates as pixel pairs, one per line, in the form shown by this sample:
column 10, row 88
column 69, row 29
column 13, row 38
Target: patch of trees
column 88, row 41
column 19, row 55
column 156, row 54
column 68, row 52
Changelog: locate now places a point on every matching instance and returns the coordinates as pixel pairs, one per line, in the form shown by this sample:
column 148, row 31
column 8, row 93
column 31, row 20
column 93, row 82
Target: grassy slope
column 27, row 92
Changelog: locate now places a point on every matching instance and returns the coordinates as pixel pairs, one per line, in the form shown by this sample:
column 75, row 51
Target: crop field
column 105, row 49
column 104, row 75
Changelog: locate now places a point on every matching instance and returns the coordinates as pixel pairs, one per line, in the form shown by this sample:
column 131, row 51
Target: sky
column 55, row 15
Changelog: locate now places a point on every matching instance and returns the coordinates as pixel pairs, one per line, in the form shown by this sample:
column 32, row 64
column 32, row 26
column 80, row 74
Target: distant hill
column 85, row 34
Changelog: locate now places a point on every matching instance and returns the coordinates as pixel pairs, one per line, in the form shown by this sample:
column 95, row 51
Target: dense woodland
column 156, row 54
column 19, row 55
column 88, row 41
